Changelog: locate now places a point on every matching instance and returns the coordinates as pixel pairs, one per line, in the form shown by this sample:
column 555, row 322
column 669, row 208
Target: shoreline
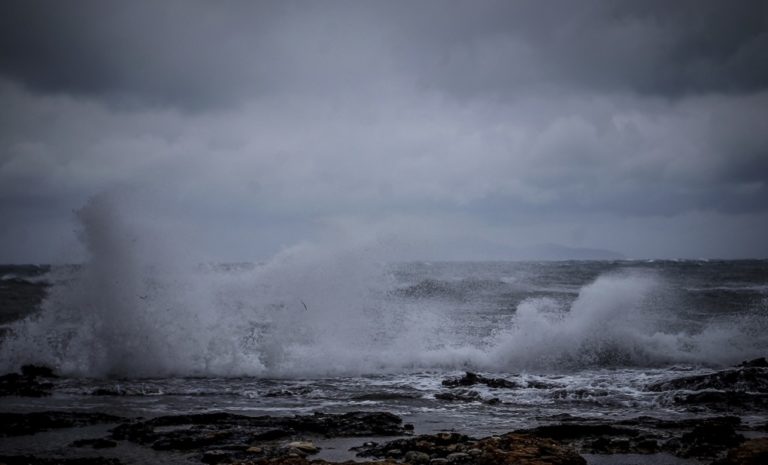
column 85, row 435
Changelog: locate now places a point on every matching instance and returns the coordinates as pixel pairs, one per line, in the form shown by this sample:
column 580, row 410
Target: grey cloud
column 253, row 126
column 198, row 54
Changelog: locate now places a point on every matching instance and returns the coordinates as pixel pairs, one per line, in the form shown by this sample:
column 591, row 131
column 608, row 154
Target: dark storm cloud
column 198, row 54
column 503, row 121
column 656, row 47
column 190, row 54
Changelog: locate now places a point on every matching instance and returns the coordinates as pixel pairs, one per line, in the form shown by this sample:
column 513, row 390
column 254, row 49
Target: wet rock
column 454, row 448
column 32, row 460
column 39, row 371
column 708, row 440
column 416, row 457
column 691, row 437
column 26, row 384
column 755, row 363
column 462, row 395
column 723, row 400
column 751, row 452
column 304, row 446
column 747, row 379
column 99, row 443
column 682, row 424
column 578, row 430
column 236, row 435
column 471, row 379
column 459, row 457
column 20, row 424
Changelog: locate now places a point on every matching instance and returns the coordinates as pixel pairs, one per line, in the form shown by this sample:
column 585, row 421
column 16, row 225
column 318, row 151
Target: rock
column 20, row 424
column 454, row 448
column 216, row 456
column 462, row 395
column 751, row 452
column 459, row 457
column 691, row 437
column 579, row 430
column 24, row 385
column 416, row 457
column 708, row 440
column 304, row 446
column 747, row 379
column 755, row 363
column 236, row 435
column 470, row 379
column 723, row 400
column 32, row 460
column 39, row 371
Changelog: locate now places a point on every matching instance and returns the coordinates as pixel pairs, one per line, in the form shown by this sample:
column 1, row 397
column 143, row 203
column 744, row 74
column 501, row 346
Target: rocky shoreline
column 221, row 437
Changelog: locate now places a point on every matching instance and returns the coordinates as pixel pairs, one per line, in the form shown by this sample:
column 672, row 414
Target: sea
column 338, row 333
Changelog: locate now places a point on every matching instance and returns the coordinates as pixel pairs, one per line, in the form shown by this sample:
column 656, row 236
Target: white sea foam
column 141, row 307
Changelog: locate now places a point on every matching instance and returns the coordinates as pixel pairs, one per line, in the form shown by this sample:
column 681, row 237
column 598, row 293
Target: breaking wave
column 136, row 309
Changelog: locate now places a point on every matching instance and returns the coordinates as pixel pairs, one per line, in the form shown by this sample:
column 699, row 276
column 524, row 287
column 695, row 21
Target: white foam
column 141, row 307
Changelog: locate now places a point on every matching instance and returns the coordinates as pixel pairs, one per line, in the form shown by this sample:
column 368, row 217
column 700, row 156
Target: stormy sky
column 464, row 129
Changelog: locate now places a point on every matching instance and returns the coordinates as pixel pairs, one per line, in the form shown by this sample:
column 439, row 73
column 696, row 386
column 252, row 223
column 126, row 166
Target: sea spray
column 621, row 319
column 145, row 306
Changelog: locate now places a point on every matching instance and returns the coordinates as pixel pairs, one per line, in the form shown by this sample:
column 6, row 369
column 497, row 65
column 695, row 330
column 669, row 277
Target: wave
column 138, row 309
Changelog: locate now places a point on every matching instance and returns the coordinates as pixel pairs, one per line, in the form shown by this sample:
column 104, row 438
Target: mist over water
column 144, row 307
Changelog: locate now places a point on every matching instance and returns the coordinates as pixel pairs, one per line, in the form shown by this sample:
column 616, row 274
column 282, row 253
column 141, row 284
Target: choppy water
column 584, row 338
column 343, row 328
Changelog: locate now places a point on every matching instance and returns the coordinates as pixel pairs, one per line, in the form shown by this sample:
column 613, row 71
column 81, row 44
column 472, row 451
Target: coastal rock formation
column 458, row 449
column 222, row 437
column 743, row 387
column 31, row 382
column 471, row 379
column 752, row 452
column 745, row 379
column 19, row 424
column 32, row 460
column 702, row 438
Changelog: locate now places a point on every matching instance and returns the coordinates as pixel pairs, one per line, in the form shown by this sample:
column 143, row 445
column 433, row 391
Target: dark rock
column 19, row 424
column 748, row 379
column 685, row 423
column 99, row 443
column 708, row 440
column 578, row 431
column 14, row 384
column 470, row 379
column 691, row 437
column 453, row 448
column 751, row 452
column 32, row 460
column 755, row 363
column 462, row 395
column 723, row 400
column 211, row 433
column 39, row 371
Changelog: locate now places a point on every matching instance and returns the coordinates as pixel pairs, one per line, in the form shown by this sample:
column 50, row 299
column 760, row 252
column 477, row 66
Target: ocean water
column 336, row 329
column 337, row 334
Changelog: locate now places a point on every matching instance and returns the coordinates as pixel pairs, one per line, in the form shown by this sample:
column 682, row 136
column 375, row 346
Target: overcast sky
column 469, row 129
